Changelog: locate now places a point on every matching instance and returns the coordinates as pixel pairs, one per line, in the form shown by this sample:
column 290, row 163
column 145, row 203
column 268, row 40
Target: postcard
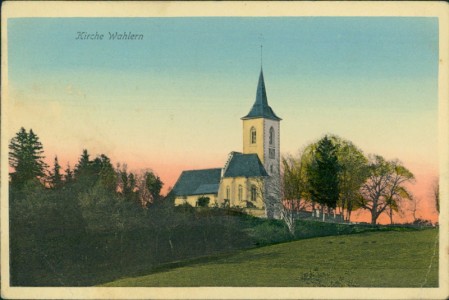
column 224, row 150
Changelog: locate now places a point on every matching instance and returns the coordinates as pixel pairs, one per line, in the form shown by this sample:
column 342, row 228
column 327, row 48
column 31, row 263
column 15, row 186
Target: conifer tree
column 83, row 166
column 26, row 156
column 324, row 174
column 56, row 177
column 100, row 170
column 105, row 172
column 68, row 177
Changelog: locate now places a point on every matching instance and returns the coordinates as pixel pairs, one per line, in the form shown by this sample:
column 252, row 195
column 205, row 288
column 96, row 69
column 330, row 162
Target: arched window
column 253, row 193
column 240, row 193
column 271, row 135
column 228, row 192
column 253, row 135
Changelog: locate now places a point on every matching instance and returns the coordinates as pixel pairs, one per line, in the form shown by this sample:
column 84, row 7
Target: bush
column 46, row 235
column 269, row 232
column 421, row 222
column 203, row 201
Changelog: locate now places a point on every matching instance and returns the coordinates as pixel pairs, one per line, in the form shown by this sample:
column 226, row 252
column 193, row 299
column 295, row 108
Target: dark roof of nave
column 245, row 165
column 260, row 108
column 207, row 189
column 198, row 182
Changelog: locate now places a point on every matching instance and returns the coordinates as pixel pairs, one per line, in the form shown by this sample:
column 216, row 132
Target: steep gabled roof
column 198, row 182
column 244, row 165
column 260, row 108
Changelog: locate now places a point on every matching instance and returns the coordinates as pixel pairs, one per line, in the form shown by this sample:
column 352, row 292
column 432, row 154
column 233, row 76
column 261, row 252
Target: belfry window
column 272, row 153
column 253, row 135
column 271, row 135
column 240, row 193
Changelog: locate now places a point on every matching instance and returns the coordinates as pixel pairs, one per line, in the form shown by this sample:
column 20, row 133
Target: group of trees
column 335, row 174
column 76, row 214
column 26, row 158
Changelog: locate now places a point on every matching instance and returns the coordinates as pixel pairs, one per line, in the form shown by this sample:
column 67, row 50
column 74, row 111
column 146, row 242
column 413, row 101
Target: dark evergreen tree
column 68, row 177
column 127, row 183
column 83, row 166
column 56, row 177
column 123, row 181
column 98, row 171
column 26, row 156
column 83, row 174
column 324, row 174
column 154, row 185
column 105, row 171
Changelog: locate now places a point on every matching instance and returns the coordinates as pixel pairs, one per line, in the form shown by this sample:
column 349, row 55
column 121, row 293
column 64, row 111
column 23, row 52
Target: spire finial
column 261, row 39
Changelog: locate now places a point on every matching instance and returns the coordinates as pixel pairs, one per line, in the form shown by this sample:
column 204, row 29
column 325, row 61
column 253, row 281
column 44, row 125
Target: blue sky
column 177, row 96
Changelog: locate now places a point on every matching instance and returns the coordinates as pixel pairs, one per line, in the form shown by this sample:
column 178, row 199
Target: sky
column 173, row 100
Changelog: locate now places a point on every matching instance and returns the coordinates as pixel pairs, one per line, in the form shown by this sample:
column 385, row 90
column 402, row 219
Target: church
column 249, row 179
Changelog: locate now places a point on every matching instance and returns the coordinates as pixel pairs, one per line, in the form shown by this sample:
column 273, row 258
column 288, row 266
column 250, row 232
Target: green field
column 371, row 259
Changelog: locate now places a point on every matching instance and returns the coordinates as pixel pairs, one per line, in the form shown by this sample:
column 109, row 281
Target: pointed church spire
column 261, row 94
column 260, row 108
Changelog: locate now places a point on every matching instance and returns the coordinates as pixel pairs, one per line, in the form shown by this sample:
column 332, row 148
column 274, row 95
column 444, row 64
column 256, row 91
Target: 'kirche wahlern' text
column 84, row 35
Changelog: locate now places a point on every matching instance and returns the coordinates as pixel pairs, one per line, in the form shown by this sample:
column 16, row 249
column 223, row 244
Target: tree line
column 334, row 174
column 26, row 158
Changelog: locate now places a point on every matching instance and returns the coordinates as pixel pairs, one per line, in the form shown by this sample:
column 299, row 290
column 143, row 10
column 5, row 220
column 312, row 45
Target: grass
column 371, row 259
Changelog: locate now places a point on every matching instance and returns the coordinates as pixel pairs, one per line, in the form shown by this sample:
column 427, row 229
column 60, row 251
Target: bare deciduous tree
column 293, row 187
column 384, row 187
column 414, row 207
column 436, row 193
column 276, row 202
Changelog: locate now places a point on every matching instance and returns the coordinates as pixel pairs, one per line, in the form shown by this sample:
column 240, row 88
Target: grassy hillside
column 372, row 259
column 56, row 242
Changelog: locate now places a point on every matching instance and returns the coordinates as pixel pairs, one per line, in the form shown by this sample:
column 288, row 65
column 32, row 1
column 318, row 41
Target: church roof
column 260, row 108
column 207, row 189
column 244, row 165
column 198, row 182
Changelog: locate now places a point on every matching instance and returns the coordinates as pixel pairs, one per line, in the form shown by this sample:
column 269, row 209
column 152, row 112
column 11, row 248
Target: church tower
column 261, row 135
